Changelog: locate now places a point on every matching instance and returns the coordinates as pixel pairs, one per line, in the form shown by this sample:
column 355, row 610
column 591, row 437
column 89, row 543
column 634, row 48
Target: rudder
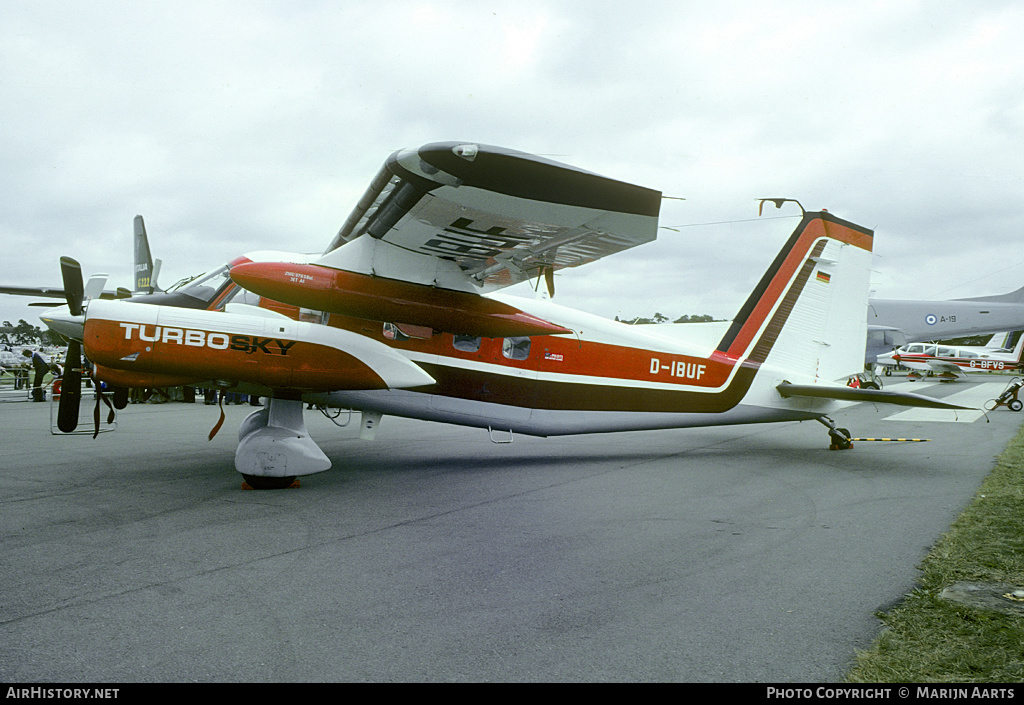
column 808, row 313
column 145, row 273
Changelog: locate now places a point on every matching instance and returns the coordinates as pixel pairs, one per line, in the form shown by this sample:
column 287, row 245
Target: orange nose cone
column 297, row 284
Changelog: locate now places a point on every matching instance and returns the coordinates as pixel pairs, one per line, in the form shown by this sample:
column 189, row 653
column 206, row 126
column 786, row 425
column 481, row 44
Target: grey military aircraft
column 894, row 322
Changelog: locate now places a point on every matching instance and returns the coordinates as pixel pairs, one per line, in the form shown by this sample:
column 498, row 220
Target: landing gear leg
column 274, row 446
column 839, row 438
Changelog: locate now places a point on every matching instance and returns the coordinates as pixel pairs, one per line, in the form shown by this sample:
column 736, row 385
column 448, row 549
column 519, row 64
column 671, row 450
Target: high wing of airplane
column 919, row 321
column 951, row 361
column 402, row 315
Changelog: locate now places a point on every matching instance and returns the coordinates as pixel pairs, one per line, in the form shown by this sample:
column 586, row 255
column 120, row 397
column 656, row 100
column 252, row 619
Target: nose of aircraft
column 61, row 320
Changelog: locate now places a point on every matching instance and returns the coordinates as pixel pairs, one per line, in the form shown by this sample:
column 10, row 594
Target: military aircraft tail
column 145, row 271
column 1014, row 297
column 1017, row 340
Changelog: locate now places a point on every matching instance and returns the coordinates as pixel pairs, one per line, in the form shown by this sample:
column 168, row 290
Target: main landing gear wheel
column 274, row 447
column 262, row 482
column 840, row 438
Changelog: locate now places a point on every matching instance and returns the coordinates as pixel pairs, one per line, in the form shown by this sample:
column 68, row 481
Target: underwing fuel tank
column 255, row 346
column 321, row 288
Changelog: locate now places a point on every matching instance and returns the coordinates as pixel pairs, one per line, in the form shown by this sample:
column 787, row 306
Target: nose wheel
column 275, row 447
column 261, row 482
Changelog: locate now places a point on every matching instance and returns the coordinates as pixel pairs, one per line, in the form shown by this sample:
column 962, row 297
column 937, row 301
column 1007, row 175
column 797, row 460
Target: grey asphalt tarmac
column 739, row 554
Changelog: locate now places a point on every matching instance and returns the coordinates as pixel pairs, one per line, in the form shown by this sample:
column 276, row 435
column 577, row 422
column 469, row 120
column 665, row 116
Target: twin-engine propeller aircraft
column 400, row 316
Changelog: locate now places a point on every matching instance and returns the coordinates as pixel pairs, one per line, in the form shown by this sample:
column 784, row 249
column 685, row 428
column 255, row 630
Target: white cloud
column 237, row 126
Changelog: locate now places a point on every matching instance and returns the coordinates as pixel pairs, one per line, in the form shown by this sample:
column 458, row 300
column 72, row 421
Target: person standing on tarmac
column 41, row 365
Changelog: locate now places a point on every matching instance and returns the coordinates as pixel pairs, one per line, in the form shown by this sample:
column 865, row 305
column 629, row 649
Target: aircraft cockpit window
column 466, row 343
column 516, row 348
column 195, row 293
column 243, row 296
column 205, row 286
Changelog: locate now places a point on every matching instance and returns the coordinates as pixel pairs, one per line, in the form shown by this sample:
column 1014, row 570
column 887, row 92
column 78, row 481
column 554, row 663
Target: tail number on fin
column 678, row 368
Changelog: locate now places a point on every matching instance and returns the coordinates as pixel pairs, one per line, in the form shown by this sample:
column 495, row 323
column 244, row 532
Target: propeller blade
column 120, row 397
column 74, row 287
column 71, row 389
column 94, row 287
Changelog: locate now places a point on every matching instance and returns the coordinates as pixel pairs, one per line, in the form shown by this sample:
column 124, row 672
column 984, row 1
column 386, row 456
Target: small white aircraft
column 402, row 315
column 952, row 361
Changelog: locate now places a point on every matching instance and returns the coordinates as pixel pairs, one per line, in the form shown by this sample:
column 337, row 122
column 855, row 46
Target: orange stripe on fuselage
column 770, row 290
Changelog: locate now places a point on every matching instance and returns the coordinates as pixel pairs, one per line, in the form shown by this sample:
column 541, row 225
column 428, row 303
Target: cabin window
column 241, row 296
column 516, row 348
column 466, row 343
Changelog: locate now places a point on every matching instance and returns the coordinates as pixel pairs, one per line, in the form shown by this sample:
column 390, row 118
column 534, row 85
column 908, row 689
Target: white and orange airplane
column 401, row 315
column 951, row 361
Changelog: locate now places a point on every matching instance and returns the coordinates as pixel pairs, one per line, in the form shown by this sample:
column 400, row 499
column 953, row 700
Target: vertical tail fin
column 1018, row 348
column 145, row 273
column 808, row 314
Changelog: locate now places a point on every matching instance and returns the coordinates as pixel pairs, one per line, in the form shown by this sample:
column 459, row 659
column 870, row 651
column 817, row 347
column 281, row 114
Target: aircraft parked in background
column 402, row 315
column 145, row 270
column 894, row 322
column 144, row 273
column 951, row 361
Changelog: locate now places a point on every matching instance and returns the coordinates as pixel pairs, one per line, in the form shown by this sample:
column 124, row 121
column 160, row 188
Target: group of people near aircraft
column 29, row 362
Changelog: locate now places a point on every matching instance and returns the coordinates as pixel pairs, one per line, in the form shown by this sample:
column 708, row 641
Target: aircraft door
column 497, row 380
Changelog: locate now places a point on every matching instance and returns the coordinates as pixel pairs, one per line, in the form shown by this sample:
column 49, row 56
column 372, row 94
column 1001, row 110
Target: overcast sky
column 239, row 126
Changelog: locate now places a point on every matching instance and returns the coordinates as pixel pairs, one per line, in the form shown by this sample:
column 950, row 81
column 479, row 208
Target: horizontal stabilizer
column 870, row 395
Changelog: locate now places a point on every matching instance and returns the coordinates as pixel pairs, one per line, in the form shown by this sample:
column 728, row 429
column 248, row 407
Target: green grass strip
column 931, row 640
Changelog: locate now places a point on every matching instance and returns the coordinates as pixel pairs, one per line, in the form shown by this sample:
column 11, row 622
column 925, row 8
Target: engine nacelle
column 246, row 345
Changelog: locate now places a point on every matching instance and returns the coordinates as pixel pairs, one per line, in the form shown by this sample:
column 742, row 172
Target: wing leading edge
column 493, row 216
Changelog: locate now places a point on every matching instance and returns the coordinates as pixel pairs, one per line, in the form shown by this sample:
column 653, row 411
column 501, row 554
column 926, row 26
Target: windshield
column 205, row 285
column 198, row 292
